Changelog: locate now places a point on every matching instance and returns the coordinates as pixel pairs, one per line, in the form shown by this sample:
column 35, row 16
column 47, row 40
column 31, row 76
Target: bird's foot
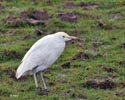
column 43, row 91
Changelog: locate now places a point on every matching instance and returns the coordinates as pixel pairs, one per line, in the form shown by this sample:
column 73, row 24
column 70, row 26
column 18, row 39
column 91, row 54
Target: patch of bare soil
column 35, row 14
column 81, row 56
column 26, row 37
column 29, row 16
column 121, row 63
column 11, row 74
column 105, row 26
column 69, row 17
column 70, row 5
column 66, row 65
column 89, row 5
column 107, row 68
column 72, row 94
column 123, row 45
column 41, row 32
column 122, row 85
column 77, row 66
column 98, row 83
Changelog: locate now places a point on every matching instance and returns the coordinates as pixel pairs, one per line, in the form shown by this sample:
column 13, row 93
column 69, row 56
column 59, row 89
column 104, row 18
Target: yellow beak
column 74, row 38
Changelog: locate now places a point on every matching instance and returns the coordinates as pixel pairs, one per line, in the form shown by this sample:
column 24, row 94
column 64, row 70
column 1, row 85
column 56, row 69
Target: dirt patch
column 41, row 32
column 12, row 32
column 89, row 5
column 121, row 63
column 12, row 20
column 104, row 84
column 30, row 17
column 51, row 83
column 97, row 44
column 69, row 17
column 122, row 85
column 35, row 14
column 77, row 66
column 123, row 45
column 2, row 6
column 101, row 82
column 104, row 25
column 26, row 37
column 108, row 69
column 70, row 5
column 11, row 74
column 66, row 65
column 73, row 94
column 49, row 2
column 81, row 56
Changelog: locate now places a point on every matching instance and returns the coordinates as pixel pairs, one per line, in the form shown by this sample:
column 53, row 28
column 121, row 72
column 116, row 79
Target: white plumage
column 42, row 55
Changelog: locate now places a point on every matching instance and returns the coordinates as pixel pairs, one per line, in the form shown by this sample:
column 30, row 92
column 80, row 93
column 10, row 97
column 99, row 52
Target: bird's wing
column 40, row 43
column 43, row 52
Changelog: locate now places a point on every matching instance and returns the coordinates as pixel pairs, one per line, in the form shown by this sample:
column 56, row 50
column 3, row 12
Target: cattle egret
column 42, row 55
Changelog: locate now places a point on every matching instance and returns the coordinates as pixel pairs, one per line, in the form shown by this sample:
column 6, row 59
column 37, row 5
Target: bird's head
column 64, row 36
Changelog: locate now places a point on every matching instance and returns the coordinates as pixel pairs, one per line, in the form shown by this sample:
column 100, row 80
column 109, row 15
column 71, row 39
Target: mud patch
column 72, row 94
column 122, row 85
column 26, row 37
column 121, row 63
column 108, row 69
column 11, row 74
column 12, row 32
column 81, row 56
column 41, row 32
column 106, row 25
column 2, row 6
column 77, row 66
column 103, row 84
column 123, row 45
column 12, row 20
column 51, row 83
column 69, row 17
column 70, row 5
column 89, row 5
column 66, row 65
column 30, row 17
column 35, row 14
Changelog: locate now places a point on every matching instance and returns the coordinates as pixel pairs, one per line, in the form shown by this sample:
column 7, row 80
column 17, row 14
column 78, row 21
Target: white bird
column 42, row 55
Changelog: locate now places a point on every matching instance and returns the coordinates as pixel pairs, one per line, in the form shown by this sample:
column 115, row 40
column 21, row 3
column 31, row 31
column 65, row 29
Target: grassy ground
column 99, row 54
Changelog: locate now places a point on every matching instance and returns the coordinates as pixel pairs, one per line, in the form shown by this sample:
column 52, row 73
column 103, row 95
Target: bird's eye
column 63, row 36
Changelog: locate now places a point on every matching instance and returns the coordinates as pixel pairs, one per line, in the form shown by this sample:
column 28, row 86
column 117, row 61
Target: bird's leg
column 41, row 76
column 35, row 80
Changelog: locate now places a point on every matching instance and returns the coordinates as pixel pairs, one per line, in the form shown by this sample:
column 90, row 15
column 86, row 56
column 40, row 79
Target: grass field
column 92, row 68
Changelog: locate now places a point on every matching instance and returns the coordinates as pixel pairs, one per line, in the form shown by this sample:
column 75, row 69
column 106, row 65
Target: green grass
column 67, row 83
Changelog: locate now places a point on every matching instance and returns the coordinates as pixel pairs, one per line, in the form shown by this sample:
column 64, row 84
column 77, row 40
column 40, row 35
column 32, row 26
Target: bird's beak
column 74, row 38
